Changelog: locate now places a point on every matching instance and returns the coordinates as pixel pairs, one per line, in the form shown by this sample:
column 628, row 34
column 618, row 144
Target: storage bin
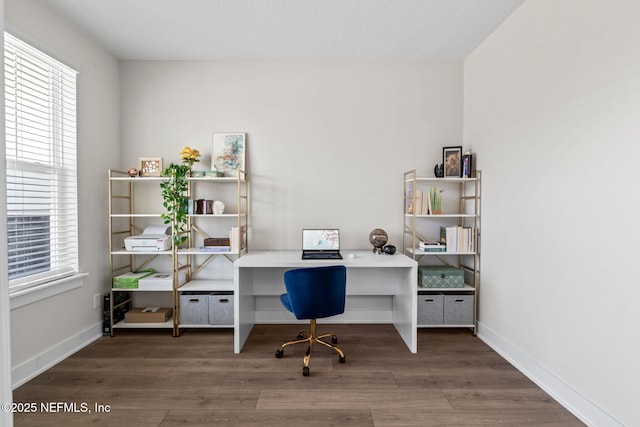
column 430, row 309
column 458, row 309
column 221, row 308
column 194, row 308
column 440, row 277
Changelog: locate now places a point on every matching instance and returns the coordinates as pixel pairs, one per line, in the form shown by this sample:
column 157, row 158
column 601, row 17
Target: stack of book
column 432, row 246
column 457, row 238
column 216, row 244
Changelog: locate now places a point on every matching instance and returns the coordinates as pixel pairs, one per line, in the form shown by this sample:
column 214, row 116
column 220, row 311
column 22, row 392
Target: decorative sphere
column 133, row 172
column 378, row 237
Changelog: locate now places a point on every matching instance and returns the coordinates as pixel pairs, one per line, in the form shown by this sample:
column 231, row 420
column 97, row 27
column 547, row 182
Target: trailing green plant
column 174, row 191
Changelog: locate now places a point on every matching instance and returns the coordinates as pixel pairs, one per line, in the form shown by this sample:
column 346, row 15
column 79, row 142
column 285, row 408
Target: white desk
column 380, row 289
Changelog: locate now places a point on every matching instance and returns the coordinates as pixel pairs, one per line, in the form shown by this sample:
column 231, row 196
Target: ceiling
column 287, row 29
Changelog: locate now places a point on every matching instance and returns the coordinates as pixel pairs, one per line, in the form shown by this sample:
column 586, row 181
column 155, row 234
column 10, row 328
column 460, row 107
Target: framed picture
column 467, row 165
column 150, row 166
column 452, row 161
column 227, row 154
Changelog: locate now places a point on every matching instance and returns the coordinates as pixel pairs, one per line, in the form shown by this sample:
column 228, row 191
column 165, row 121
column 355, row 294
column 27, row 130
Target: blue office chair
column 314, row 293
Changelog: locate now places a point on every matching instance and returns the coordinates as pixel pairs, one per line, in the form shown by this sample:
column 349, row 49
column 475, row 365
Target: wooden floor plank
column 151, row 379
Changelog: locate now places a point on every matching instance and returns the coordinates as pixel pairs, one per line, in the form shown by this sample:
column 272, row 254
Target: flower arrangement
column 189, row 156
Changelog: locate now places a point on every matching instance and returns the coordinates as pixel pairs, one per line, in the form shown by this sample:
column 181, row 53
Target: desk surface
column 293, row 259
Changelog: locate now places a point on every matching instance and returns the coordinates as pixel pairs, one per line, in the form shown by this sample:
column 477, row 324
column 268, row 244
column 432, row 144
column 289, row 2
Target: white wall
column 327, row 141
column 551, row 104
column 54, row 325
column 6, row 418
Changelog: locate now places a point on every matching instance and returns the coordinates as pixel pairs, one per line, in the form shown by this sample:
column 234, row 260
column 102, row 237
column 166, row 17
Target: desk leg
column 405, row 307
column 244, row 308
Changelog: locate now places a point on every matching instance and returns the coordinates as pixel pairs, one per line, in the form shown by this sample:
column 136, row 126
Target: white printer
column 153, row 238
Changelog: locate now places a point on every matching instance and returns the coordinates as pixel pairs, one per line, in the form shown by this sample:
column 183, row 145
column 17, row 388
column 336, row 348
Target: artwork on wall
column 452, row 161
column 227, row 155
column 150, row 166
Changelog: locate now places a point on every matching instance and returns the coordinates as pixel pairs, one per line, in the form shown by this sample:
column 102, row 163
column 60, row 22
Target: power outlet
column 97, row 300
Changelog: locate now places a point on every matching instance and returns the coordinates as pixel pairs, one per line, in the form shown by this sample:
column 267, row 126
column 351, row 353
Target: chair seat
column 314, row 293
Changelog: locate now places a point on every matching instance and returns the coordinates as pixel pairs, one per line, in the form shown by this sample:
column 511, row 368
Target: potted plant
column 174, row 190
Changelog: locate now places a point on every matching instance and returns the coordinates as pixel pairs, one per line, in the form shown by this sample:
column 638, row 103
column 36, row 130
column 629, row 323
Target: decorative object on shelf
column 209, row 204
column 133, row 172
column 189, row 156
column 438, row 171
column 389, row 249
column 467, row 164
column 227, row 155
column 200, row 206
column 218, row 207
column 452, row 161
column 150, row 166
column 435, row 200
column 378, row 238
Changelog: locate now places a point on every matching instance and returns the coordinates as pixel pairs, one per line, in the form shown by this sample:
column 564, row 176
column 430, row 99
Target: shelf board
column 446, row 326
column 227, row 215
column 206, row 326
column 140, row 290
column 465, row 288
column 220, row 179
column 124, row 325
column 419, row 252
column 207, row 285
column 442, row 215
column 450, row 179
column 138, row 215
column 126, row 252
column 137, row 178
column 197, row 251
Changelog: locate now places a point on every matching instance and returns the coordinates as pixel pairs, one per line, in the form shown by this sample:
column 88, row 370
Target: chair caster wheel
column 279, row 353
column 305, row 371
column 342, row 359
column 334, row 340
column 301, row 336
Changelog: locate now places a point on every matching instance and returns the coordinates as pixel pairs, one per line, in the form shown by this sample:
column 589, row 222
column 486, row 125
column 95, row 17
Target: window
column 40, row 114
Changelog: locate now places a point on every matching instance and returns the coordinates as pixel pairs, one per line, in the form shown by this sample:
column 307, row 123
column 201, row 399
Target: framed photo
column 452, row 161
column 467, row 165
column 227, row 154
column 150, row 166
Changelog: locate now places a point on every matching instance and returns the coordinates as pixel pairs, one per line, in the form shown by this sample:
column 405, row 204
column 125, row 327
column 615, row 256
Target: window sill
column 46, row 290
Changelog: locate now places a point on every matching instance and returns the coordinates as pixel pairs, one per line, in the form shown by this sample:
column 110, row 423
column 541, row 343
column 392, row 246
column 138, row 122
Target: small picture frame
column 467, row 165
column 227, row 154
column 150, row 166
column 452, row 161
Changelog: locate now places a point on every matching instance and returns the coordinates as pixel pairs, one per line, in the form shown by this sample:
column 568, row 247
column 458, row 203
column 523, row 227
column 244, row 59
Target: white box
column 159, row 282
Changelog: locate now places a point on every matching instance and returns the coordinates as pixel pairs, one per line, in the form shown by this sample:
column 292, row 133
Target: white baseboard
column 31, row 368
column 577, row 404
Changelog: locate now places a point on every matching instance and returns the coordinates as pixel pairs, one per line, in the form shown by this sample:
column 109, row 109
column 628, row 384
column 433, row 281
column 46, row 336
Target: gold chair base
column 312, row 338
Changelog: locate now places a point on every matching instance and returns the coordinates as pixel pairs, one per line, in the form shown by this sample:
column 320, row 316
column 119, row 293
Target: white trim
column 36, row 293
column 37, row 365
column 587, row 411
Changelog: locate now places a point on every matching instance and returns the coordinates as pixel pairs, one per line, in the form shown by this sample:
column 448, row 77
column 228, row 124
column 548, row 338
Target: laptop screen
column 320, row 240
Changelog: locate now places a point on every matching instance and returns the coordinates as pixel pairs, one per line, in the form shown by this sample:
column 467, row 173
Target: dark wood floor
column 149, row 378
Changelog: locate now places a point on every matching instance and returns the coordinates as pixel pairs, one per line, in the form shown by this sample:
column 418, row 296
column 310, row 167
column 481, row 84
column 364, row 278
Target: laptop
column 321, row 244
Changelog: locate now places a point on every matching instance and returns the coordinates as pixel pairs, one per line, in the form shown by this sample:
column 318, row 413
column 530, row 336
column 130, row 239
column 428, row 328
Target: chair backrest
column 316, row 292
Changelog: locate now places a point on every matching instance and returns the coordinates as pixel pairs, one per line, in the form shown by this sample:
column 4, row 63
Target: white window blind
column 40, row 114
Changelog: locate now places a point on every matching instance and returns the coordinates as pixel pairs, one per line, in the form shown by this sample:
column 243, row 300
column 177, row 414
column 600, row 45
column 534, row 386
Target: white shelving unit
column 460, row 207
column 127, row 196
column 202, row 277
column 136, row 202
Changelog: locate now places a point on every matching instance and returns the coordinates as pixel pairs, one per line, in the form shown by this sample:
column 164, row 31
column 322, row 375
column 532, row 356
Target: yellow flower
column 189, row 155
